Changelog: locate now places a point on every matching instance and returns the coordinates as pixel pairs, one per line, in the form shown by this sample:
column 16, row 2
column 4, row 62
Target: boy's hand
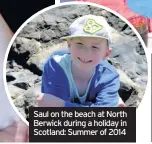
column 48, row 100
column 121, row 103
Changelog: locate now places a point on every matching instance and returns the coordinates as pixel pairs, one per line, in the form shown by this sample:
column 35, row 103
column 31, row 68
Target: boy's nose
column 86, row 53
column 87, row 50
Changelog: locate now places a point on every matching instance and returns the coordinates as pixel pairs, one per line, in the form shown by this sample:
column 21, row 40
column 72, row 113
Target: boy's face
column 88, row 52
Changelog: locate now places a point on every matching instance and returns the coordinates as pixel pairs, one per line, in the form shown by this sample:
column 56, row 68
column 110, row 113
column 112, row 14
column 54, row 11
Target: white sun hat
column 90, row 26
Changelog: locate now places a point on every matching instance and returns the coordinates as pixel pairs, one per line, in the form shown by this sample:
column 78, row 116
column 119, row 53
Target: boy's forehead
column 90, row 39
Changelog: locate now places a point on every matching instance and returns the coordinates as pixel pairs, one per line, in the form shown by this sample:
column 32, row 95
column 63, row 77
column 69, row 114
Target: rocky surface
column 41, row 36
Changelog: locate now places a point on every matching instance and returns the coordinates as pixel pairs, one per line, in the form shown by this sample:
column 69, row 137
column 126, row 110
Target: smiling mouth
column 84, row 60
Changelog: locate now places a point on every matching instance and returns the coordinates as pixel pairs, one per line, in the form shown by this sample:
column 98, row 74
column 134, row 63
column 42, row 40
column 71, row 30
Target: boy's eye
column 95, row 48
column 79, row 43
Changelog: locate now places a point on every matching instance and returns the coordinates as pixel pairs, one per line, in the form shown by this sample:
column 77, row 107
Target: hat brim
column 142, row 7
column 75, row 36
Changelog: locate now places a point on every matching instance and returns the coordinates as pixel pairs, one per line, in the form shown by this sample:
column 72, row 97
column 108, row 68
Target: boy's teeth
column 84, row 60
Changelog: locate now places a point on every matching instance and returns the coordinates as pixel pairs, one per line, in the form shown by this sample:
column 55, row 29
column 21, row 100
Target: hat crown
column 90, row 26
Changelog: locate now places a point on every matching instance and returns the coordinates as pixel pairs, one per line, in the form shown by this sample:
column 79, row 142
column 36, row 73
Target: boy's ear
column 108, row 52
column 69, row 43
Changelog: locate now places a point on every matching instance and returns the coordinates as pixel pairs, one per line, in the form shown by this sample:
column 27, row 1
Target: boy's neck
column 78, row 74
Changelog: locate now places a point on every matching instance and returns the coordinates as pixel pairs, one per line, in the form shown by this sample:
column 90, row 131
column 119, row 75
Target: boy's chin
column 85, row 68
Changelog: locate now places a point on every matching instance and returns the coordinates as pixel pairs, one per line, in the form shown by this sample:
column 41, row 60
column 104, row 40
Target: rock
column 30, row 97
column 38, row 59
column 63, row 28
column 135, row 98
column 39, row 20
column 27, row 100
column 49, row 19
column 128, row 31
column 122, row 25
column 129, row 89
column 24, row 45
column 22, row 79
column 141, row 80
column 22, row 49
column 115, row 35
column 140, row 49
column 15, row 91
column 47, row 35
column 124, row 51
column 131, row 74
column 113, row 21
column 75, row 10
column 20, row 101
column 29, row 28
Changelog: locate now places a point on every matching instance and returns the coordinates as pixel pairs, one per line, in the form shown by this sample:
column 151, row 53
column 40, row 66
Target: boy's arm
column 54, row 82
column 48, row 100
column 108, row 97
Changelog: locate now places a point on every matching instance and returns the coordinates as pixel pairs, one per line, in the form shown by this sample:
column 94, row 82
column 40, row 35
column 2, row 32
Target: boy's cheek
column 74, row 53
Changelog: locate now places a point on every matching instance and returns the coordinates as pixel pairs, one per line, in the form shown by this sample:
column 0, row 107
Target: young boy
column 82, row 77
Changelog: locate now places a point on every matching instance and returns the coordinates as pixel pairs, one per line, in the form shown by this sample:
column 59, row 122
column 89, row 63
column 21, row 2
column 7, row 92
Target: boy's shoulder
column 58, row 53
column 106, row 67
column 55, row 58
column 106, row 74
